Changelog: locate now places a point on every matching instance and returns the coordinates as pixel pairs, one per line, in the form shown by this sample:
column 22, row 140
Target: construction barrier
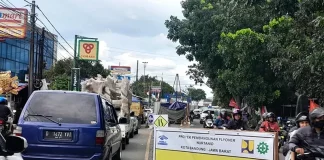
column 200, row 144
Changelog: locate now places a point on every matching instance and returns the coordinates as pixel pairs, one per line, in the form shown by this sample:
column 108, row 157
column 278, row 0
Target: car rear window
column 62, row 107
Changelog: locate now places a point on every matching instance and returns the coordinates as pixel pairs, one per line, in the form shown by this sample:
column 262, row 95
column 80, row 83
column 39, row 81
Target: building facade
column 14, row 53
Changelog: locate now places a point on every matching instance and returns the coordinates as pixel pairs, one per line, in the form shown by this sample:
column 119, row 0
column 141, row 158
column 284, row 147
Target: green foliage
column 262, row 51
column 196, row 94
column 61, row 82
column 59, row 74
column 140, row 88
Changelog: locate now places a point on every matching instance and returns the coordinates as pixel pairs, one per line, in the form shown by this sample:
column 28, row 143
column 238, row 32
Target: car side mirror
column 15, row 144
column 123, row 120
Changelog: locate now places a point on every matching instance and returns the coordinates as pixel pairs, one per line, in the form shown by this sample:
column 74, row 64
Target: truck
column 119, row 93
column 138, row 108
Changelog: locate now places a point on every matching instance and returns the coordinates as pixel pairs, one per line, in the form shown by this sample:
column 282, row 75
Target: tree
column 60, row 73
column 196, row 94
column 138, row 86
column 245, row 56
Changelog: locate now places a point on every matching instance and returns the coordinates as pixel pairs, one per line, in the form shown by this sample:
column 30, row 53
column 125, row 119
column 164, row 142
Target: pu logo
column 247, row 146
column 88, row 47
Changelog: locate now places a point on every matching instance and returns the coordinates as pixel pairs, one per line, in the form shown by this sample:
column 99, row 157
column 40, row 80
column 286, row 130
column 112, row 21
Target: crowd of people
column 309, row 129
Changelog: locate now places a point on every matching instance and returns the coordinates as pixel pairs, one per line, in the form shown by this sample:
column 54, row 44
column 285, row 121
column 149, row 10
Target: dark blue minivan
column 69, row 125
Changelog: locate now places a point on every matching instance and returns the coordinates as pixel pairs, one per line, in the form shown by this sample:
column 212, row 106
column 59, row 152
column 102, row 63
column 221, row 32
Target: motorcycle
column 282, row 136
column 6, row 127
column 208, row 123
column 311, row 153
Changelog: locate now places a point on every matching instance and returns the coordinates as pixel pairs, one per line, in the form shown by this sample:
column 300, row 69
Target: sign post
column 76, row 79
column 86, row 49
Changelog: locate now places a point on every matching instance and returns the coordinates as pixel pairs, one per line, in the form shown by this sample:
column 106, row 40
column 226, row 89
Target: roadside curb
column 148, row 146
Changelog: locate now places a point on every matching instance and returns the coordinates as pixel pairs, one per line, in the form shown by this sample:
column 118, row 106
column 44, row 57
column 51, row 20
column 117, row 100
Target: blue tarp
column 175, row 105
column 134, row 99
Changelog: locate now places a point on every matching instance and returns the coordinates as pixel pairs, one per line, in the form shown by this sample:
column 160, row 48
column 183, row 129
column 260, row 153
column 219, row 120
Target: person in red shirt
column 270, row 125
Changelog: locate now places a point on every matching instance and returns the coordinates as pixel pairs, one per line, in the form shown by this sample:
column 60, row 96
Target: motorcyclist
column 5, row 111
column 237, row 121
column 302, row 120
column 263, row 118
column 209, row 116
column 223, row 119
column 312, row 134
column 270, row 125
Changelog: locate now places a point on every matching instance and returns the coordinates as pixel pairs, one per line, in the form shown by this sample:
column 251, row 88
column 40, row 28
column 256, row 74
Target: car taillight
column 100, row 137
column 17, row 131
column 1, row 122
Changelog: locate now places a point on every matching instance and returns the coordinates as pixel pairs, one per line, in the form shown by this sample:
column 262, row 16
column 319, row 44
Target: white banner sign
column 219, row 143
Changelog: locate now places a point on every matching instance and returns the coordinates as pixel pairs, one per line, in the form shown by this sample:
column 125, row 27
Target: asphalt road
column 136, row 149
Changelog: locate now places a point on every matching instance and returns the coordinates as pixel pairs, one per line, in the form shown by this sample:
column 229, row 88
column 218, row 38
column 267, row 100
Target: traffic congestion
column 161, row 80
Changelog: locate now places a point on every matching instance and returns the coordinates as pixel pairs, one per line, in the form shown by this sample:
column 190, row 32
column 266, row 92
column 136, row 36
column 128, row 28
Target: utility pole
column 161, row 91
column 137, row 72
column 144, row 78
column 41, row 55
column 31, row 54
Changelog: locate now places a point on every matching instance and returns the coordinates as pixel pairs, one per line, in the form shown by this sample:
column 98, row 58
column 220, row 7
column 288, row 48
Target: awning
column 21, row 86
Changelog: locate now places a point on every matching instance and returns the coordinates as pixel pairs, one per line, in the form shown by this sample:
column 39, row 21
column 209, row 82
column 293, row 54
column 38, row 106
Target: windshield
column 62, row 107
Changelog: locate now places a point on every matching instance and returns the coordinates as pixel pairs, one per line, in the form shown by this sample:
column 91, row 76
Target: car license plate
column 58, row 135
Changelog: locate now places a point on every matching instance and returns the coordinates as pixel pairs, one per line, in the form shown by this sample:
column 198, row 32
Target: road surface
column 136, row 149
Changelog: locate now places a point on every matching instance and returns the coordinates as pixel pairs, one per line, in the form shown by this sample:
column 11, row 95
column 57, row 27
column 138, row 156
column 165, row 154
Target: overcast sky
column 128, row 30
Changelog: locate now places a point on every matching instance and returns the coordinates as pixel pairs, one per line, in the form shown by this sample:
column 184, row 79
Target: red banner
column 312, row 105
column 232, row 103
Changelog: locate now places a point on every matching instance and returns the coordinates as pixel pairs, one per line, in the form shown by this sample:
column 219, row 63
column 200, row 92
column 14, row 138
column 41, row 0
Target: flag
column 233, row 104
column 263, row 110
column 312, row 105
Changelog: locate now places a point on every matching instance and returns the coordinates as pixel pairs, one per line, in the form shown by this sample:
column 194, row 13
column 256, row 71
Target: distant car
column 69, row 125
column 197, row 113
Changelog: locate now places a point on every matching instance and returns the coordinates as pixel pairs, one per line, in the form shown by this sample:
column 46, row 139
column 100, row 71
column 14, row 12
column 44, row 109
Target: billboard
column 88, row 50
column 13, row 22
column 156, row 89
column 119, row 77
column 120, row 69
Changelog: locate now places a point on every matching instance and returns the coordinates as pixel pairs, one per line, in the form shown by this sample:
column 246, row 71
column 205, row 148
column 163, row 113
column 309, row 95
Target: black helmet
column 302, row 116
column 271, row 115
column 316, row 113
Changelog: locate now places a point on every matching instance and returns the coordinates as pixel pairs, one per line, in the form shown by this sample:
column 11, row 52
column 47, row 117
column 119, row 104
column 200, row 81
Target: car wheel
column 132, row 134
column 118, row 154
column 136, row 132
column 127, row 140
column 123, row 144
